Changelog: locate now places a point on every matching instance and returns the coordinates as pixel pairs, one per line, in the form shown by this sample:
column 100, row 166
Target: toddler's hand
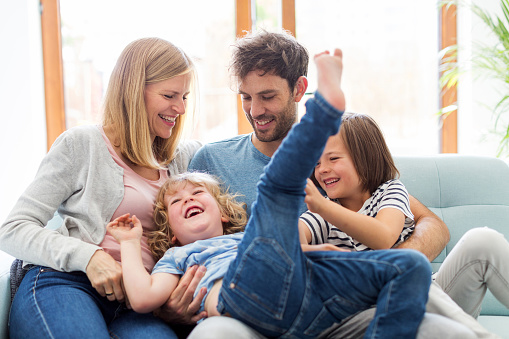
column 125, row 228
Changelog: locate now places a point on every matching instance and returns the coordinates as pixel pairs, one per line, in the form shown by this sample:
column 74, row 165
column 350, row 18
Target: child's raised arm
column 145, row 292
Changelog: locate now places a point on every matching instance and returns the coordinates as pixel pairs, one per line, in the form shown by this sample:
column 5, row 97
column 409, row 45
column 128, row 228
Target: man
column 270, row 70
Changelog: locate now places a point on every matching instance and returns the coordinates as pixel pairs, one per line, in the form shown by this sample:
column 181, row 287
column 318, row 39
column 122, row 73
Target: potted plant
column 488, row 60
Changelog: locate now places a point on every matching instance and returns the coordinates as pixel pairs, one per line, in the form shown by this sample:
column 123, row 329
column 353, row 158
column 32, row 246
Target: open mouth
column 330, row 181
column 193, row 211
column 168, row 118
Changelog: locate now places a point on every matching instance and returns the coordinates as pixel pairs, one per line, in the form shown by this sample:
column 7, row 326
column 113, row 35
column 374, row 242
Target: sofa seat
column 464, row 191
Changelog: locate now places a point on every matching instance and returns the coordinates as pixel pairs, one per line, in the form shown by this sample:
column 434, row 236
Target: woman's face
column 164, row 102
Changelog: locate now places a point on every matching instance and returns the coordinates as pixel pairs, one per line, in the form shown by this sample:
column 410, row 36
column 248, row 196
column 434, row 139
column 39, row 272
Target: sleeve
column 185, row 152
column 23, row 234
column 167, row 263
column 317, row 226
column 200, row 161
column 396, row 196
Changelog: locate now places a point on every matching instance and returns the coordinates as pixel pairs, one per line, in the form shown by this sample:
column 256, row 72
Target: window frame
column 54, row 84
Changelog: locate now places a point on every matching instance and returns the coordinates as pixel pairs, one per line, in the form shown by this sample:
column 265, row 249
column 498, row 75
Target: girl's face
column 336, row 173
column 164, row 102
column 193, row 214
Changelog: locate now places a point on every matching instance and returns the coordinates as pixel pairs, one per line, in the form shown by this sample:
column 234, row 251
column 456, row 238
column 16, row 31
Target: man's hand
column 181, row 308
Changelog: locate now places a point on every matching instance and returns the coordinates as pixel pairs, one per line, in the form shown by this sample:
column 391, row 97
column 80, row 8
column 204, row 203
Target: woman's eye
column 334, row 158
column 174, row 201
column 198, row 192
column 168, row 96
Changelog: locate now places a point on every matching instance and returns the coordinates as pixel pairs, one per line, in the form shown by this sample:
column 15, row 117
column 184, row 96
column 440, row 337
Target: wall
column 23, row 134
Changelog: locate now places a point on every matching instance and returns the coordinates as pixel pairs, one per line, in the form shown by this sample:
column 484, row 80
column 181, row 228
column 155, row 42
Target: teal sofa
column 465, row 191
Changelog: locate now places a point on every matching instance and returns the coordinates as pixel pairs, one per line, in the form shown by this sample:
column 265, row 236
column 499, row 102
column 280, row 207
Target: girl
column 366, row 207
column 262, row 277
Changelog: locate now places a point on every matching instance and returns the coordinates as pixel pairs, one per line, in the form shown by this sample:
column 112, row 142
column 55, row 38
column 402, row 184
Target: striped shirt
column 391, row 194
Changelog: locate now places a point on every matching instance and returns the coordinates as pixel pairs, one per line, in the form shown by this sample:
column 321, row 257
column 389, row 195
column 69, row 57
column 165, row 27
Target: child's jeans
column 280, row 291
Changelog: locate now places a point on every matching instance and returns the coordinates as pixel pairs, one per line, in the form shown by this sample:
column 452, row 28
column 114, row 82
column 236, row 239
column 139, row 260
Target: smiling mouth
column 194, row 211
column 330, row 181
column 168, row 118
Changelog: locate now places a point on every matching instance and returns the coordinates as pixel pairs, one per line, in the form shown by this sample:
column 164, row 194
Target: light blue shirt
column 215, row 254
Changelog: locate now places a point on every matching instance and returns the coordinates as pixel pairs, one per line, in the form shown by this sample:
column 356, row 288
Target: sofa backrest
column 465, row 192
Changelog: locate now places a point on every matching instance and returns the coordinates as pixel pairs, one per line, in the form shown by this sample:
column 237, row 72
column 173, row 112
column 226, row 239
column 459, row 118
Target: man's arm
column 431, row 233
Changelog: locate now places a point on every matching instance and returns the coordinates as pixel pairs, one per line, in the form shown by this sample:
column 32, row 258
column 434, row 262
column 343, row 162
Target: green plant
column 489, row 61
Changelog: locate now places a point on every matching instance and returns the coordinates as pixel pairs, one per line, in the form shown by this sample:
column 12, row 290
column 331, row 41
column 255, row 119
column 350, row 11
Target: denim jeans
column 280, row 291
column 53, row 304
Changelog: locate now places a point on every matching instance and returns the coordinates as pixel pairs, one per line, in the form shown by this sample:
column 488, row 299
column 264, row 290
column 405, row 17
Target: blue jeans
column 280, row 291
column 53, row 304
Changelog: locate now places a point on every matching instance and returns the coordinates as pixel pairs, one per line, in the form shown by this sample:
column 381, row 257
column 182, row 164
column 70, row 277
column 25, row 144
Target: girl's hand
column 125, row 228
column 314, row 199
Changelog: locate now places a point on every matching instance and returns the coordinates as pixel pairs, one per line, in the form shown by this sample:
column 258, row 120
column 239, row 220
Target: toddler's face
column 193, row 214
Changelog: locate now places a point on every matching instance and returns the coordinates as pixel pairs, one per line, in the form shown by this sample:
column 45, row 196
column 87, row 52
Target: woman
column 91, row 175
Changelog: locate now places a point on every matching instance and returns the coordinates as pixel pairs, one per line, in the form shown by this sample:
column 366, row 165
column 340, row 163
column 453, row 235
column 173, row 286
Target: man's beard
column 284, row 121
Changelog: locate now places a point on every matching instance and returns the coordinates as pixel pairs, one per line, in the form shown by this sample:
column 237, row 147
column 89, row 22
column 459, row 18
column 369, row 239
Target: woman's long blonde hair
column 160, row 240
column 144, row 61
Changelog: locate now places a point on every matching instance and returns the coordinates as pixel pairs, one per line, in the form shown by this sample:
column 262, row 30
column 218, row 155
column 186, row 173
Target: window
column 390, row 58
column 94, row 35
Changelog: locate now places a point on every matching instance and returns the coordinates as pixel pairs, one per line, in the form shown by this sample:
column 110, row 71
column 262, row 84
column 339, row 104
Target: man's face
column 269, row 105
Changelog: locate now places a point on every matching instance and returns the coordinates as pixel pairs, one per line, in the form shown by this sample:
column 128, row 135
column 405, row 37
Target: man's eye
column 268, row 98
column 245, row 98
column 168, row 96
column 334, row 158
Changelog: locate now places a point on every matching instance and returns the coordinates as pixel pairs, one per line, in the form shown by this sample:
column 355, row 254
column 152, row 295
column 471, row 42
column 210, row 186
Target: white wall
column 23, row 132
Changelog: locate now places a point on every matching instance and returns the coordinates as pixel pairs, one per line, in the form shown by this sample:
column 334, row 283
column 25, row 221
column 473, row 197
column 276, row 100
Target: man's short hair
column 274, row 53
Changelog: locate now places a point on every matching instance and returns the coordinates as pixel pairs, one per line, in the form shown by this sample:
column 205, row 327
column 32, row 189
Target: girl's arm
column 380, row 232
column 145, row 292
column 304, row 233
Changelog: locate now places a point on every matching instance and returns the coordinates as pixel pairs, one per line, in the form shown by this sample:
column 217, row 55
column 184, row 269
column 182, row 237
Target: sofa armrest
column 5, row 292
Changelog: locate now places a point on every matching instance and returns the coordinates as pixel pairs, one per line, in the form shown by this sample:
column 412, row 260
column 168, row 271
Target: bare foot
column 330, row 68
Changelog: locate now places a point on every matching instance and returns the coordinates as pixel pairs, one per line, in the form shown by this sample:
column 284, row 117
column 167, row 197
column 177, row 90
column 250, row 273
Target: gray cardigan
column 79, row 178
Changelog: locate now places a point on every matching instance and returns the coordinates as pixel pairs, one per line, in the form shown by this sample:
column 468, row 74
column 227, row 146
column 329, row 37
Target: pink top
column 139, row 197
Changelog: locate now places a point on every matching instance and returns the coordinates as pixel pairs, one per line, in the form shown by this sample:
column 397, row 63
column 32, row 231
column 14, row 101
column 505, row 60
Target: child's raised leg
column 267, row 282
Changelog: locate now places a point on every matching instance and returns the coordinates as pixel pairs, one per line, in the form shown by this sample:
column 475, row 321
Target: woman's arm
column 145, row 292
column 23, row 234
column 431, row 233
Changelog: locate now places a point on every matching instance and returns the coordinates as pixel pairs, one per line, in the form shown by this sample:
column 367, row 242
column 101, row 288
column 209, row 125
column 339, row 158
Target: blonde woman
column 91, row 175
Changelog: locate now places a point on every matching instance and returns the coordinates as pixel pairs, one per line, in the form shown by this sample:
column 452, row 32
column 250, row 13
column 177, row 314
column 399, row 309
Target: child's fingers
column 136, row 222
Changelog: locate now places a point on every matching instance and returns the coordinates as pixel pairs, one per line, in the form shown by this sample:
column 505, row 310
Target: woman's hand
column 105, row 274
column 181, row 308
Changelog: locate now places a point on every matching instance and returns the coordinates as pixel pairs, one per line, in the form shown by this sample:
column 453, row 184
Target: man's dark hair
column 273, row 53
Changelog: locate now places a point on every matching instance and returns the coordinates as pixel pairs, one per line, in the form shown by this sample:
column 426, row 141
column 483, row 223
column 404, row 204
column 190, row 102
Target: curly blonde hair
column 160, row 240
